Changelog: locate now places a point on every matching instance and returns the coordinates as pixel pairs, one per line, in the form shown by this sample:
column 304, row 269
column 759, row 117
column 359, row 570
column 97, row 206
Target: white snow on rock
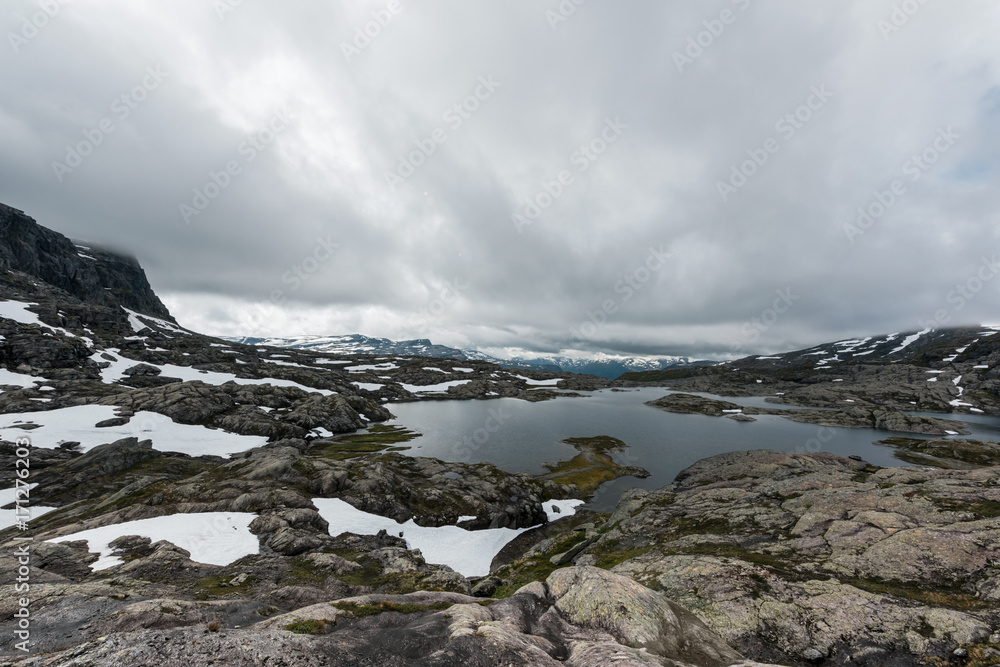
column 468, row 552
column 116, row 371
column 9, row 517
column 169, row 326
column 909, row 340
column 215, row 538
column 18, row 379
column 76, row 424
column 388, row 366
column 136, row 325
column 369, row 386
column 558, row 509
column 425, row 388
column 18, row 311
column 540, row 383
column 463, row 370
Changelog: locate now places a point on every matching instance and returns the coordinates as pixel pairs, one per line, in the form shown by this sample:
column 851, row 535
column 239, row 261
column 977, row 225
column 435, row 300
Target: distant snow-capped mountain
column 602, row 365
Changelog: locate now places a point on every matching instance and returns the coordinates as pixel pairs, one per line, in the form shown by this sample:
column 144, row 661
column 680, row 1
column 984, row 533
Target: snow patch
column 9, row 517
column 215, row 538
column 116, row 371
column 369, row 386
column 76, row 424
column 539, row 383
column 18, row 311
column 468, row 552
column 426, row 388
column 17, row 379
column 169, row 326
column 909, row 340
column 371, row 367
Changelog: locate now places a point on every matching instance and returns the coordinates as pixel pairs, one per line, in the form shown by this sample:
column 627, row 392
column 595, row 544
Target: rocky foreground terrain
column 790, row 559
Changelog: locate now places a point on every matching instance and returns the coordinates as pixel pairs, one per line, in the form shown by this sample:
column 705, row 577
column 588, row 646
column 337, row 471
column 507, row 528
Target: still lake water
column 519, row 436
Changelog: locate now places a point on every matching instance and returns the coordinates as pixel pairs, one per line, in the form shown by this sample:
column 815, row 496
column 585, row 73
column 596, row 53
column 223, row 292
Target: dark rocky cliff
column 107, row 279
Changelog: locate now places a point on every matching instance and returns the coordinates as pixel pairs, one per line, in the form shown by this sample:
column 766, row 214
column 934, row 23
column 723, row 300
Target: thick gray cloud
column 312, row 236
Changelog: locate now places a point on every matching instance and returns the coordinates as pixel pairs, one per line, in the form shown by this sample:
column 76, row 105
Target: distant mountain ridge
column 606, row 366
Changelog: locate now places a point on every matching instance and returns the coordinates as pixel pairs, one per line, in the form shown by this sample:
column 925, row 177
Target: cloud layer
column 644, row 177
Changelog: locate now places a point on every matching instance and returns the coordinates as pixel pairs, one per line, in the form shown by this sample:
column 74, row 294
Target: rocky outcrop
column 95, row 276
column 959, row 453
column 867, row 416
column 582, row 617
column 816, row 557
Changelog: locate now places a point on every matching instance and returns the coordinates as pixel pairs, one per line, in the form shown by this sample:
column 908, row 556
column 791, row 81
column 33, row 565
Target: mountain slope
column 95, row 276
column 946, row 370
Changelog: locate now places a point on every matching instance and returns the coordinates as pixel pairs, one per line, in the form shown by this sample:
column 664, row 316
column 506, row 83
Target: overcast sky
column 278, row 171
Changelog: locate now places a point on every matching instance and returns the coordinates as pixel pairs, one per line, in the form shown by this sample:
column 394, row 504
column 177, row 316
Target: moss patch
column 312, row 627
column 215, row 585
column 362, row 610
column 980, row 509
column 592, row 467
column 935, row 596
column 378, row 438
